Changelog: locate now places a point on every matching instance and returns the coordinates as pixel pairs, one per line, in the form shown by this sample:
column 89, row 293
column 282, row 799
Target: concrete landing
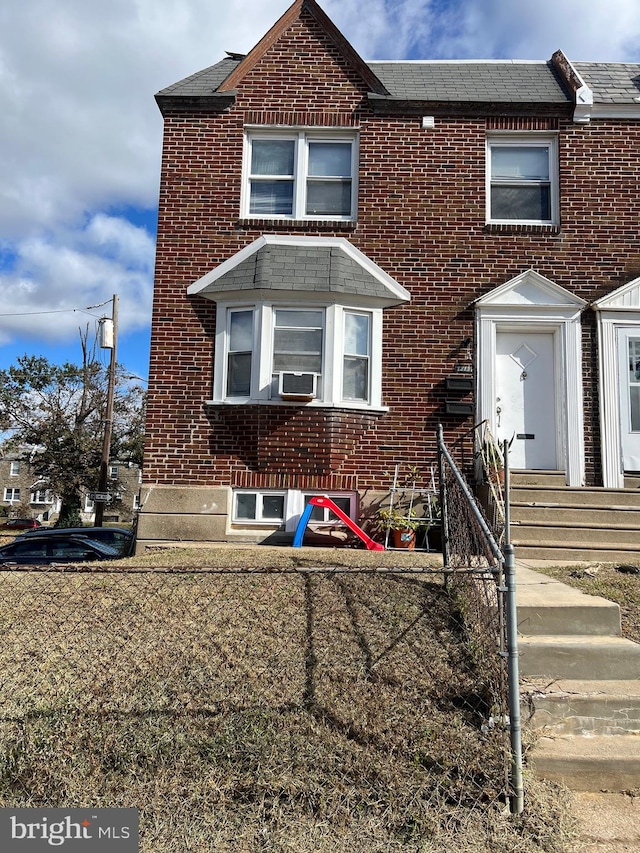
column 608, row 823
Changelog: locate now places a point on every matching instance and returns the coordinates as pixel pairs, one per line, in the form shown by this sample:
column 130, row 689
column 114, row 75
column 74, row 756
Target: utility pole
column 108, row 340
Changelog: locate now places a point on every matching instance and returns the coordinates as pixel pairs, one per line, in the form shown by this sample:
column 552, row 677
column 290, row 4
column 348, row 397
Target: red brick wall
column 421, row 218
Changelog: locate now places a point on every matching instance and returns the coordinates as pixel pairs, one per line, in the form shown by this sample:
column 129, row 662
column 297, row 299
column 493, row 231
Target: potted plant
column 403, row 524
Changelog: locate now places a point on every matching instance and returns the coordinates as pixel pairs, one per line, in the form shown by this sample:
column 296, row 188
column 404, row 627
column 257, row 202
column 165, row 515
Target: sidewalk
column 608, row 822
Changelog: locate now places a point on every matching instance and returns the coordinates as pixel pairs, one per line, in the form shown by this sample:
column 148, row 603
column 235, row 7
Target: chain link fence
column 241, row 705
column 353, row 707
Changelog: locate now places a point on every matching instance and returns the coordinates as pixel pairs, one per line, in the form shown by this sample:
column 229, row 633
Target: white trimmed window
column 41, row 496
column 14, row 468
column 12, row 496
column 522, row 179
column 346, row 502
column 255, row 506
column 259, row 507
column 312, row 354
column 300, row 174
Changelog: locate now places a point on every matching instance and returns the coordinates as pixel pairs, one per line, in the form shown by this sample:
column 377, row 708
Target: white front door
column 525, row 405
column 629, row 390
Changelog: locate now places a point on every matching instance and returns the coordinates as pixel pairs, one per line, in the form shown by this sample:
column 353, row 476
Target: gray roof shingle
column 315, row 269
column 611, row 82
column 491, row 81
column 500, row 81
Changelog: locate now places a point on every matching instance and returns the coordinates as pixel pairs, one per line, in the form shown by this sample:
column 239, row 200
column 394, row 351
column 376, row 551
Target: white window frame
column 114, row 472
column 14, row 468
column 330, row 390
column 525, row 139
column 260, row 495
column 12, row 494
column 301, row 137
column 41, row 496
column 294, row 505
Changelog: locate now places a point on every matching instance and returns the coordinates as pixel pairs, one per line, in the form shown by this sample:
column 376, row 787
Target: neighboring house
column 350, row 253
column 22, row 493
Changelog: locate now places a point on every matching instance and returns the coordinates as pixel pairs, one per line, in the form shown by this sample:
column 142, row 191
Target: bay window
column 332, row 349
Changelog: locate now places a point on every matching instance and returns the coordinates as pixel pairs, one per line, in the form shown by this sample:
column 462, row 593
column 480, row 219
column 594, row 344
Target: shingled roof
column 611, row 82
column 505, row 81
column 316, row 266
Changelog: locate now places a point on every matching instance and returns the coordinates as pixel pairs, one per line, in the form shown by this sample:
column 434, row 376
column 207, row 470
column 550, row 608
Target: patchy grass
column 613, row 581
column 292, row 709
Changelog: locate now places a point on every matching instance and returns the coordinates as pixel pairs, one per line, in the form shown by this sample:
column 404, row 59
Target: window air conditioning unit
column 297, row 386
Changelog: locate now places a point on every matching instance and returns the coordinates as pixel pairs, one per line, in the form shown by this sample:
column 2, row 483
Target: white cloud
column 583, row 29
column 53, row 280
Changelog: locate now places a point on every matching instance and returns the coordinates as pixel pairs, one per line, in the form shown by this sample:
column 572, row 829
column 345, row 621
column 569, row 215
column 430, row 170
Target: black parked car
column 116, row 537
column 38, row 550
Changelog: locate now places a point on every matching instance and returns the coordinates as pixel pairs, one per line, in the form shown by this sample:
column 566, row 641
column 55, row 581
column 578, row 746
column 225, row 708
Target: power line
column 61, row 311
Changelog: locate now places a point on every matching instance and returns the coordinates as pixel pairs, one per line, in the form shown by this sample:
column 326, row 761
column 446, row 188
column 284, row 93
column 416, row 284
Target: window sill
column 521, row 228
column 297, row 224
column 351, row 407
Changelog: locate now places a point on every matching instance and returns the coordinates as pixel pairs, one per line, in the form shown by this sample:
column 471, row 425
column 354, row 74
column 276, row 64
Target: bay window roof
column 319, row 267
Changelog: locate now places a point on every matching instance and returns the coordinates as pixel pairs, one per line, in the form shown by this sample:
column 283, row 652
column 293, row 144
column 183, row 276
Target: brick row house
column 22, row 494
column 340, row 240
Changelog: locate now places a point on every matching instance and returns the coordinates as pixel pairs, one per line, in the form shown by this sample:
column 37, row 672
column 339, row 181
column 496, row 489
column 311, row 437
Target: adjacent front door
column 629, row 391
column 525, row 404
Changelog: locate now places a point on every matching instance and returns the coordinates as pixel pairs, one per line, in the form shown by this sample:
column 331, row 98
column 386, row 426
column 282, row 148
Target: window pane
column 527, row 163
column 329, row 198
column 239, row 375
column 531, row 203
column 297, row 342
column 273, row 507
column 305, row 341
column 634, row 396
column 356, row 334
column 298, row 319
column 355, row 381
column 272, row 157
column 330, row 159
column 271, row 198
column 246, row 506
column 241, row 331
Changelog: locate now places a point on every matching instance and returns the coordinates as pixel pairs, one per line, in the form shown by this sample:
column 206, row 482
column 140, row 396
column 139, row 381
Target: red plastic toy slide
column 319, row 500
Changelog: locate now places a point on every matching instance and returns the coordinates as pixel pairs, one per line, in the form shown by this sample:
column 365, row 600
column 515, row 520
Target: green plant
column 398, row 518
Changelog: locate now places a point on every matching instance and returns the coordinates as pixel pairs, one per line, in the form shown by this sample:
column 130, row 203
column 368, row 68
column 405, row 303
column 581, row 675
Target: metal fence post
column 513, row 674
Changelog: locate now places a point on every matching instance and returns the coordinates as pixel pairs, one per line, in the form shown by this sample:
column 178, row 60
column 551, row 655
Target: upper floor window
column 522, row 179
column 114, row 472
column 300, row 175
column 14, row 468
column 319, row 354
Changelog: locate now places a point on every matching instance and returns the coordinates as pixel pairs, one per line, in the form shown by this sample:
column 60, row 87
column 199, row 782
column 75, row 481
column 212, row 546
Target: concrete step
column 554, row 479
column 576, row 551
column 588, row 763
column 541, row 533
column 579, row 657
column 575, row 514
column 573, row 495
column 548, row 607
column 569, row 707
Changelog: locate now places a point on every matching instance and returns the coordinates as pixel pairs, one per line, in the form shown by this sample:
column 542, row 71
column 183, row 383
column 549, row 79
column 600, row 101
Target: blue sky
column 81, row 134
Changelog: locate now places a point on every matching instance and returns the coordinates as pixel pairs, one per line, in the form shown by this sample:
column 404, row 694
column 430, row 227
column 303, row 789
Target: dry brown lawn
column 260, row 699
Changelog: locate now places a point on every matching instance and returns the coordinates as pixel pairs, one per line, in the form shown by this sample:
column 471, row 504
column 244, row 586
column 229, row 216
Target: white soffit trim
column 625, row 298
column 396, row 289
column 530, row 289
